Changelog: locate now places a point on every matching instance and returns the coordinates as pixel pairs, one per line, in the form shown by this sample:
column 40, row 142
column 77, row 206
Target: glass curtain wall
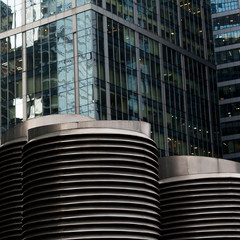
column 91, row 71
column 144, row 60
column 11, row 14
column 38, row 9
column 50, row 69
column 226, row 25
column 224, row 5
column 11, row 81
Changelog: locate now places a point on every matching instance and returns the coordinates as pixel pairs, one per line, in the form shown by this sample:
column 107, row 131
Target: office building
column 114, row 60
column 226, row 29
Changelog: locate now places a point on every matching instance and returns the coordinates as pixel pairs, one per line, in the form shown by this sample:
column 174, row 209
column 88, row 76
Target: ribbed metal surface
column 200, row 206
column 201, row 209
column 11, row 191
column 90, row 186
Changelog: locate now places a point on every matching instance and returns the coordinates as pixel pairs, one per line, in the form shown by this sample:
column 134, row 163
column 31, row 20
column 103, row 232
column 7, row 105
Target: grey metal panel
column 199, row 198
column 231, row 137
column 228, row 82
column 92, row 185
column 21, row 130
column 134, row 127
column 232, row 155
column 225, row 13
column 228, row 47
column 229, row 119
column 190, row 165
column 230, row 100
column 228, row 65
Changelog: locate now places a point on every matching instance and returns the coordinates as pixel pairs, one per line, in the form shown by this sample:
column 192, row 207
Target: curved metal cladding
column 91, row 180
column 200, row 198
column 11, row 184
column 12, row 143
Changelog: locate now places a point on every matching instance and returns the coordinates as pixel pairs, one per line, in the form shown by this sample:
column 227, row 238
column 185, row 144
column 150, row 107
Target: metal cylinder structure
column 11, row 197
column 199, row 198
column 91, row 180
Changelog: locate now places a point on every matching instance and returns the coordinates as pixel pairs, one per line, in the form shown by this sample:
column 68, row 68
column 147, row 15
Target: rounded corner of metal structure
column 179, row 166
column 14, row 134
column 127, row 125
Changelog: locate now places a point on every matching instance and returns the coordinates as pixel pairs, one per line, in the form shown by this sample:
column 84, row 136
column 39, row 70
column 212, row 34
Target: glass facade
column 11, row 81
column 11, row 14
column 37, row 9
column 229, row 91
column 228, row 56
column 226, row 25
column 121, row 8
column 91, row 71
column 122, row 72
column 50, row 69
column 147, row 15
column 231, row 146
column 226, row 21
column 230, row 128
column 224, row 5
column 226, row 39
column 169, row 21
column 115, row 59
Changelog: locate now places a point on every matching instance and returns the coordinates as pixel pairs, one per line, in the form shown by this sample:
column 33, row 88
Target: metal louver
column 97, row 185
column 200, row 198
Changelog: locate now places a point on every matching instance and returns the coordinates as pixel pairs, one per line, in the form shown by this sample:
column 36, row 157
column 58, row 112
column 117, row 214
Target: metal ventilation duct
column 91, row 180
column 11, row 173
column 200, row 198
